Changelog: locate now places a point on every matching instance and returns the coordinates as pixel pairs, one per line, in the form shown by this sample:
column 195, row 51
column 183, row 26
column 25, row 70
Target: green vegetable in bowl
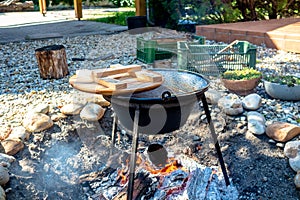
column 288, row 80
column 243, row 74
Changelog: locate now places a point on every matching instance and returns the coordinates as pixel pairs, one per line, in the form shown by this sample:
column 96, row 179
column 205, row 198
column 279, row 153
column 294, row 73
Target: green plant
column 244, row 74
column 288, row 80
column 123, row 3
column 115, row 18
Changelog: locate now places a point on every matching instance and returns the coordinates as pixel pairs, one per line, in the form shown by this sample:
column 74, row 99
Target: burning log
column 181, row 178
column 141, row 187
column 52, row 61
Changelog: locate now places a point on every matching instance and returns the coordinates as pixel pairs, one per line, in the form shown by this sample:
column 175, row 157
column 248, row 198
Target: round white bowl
column 282, row 92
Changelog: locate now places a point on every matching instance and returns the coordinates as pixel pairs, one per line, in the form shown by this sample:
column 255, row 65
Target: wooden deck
column 283, row 34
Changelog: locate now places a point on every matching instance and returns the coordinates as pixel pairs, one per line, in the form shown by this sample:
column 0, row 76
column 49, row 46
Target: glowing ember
column 181, row 178
column 123, row 176
column 168, row 168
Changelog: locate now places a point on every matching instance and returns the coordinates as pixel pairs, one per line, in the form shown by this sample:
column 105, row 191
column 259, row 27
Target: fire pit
column 162, row 110
column 165, row 108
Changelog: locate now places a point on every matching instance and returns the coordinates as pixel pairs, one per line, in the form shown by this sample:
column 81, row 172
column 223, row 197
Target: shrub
column 123, row 3
column 117, row 18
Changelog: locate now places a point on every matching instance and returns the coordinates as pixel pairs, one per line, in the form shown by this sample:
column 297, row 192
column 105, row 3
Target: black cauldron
column 165, row 108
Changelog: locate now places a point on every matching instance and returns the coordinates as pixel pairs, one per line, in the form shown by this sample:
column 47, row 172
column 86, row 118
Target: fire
column 168, row 168
column 122, row 173
column 172, row 165
column 123, row 176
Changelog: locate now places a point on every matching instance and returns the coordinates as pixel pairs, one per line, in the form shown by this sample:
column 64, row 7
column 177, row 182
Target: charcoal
column 174, row 179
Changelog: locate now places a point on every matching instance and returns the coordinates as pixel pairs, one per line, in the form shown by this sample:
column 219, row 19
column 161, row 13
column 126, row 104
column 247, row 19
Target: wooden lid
column 117, row 79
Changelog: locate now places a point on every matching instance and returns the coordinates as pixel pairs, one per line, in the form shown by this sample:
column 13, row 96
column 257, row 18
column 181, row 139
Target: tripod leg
column 133, row 154
column 215, row 138
column 113, row 133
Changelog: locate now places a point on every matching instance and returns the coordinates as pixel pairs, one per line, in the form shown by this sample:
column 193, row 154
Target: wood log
column 52, row 61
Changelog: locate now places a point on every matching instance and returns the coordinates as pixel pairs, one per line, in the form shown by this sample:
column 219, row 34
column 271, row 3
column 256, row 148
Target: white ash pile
column 181, row 178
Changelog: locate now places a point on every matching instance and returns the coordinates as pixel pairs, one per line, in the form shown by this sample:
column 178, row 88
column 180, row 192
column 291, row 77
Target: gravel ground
column 51, row 162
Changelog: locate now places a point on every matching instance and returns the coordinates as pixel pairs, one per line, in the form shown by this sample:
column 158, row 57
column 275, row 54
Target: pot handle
column 166, row 96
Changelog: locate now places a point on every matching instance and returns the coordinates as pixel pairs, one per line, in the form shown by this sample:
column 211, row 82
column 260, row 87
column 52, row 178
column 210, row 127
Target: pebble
column 72, row 109
column 282, row 131
column 41, row 108
column 19, row 133
column 256, row 123
column 92, row 112
column 213, row 96
column 231, row 104
column 12, row 146
column 2, row 194
column 37, row 122
column 297, row 180
column 58, row 116
column 97, row 99
column 292, row 151
column 6, row 160
column 4, row 175
column 252, row 101
column 272, row 141
column 280, row 144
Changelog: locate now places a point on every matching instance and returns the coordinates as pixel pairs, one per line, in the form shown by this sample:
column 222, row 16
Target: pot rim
column 171, row 98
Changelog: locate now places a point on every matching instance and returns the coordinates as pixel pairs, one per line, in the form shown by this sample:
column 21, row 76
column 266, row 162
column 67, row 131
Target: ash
column 191, row 181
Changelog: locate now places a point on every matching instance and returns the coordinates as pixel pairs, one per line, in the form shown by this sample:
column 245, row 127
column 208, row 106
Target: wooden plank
column 120, row 76
column 117, row 70
column 84, row 76
column 114, row 84
column 147, row 76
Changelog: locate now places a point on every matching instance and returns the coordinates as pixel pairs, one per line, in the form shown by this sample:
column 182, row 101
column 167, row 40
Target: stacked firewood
column 15, row 5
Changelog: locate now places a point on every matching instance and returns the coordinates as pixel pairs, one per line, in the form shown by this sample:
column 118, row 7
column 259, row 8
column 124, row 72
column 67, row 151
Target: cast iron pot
column 165, row 108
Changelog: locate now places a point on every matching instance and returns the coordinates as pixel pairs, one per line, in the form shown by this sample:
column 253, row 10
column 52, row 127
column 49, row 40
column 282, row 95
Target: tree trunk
column 52, row 61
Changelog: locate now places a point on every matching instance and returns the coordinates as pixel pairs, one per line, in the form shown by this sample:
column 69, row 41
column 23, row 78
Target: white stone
column 41, row 108
column 253, row 115
column 213, row 96
column 4, row 176
column 256, row 127
column 97, row 99
column 291, row 150
column 92, row 112
column 231, row 104
column 2, row 194
column 37, row 122
column 6, row 158
column 58, row 116
column 71, row 109
column 256, row 123
column 19, row 133
column 295, row 163
column 297, row 180
column 252, row 101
